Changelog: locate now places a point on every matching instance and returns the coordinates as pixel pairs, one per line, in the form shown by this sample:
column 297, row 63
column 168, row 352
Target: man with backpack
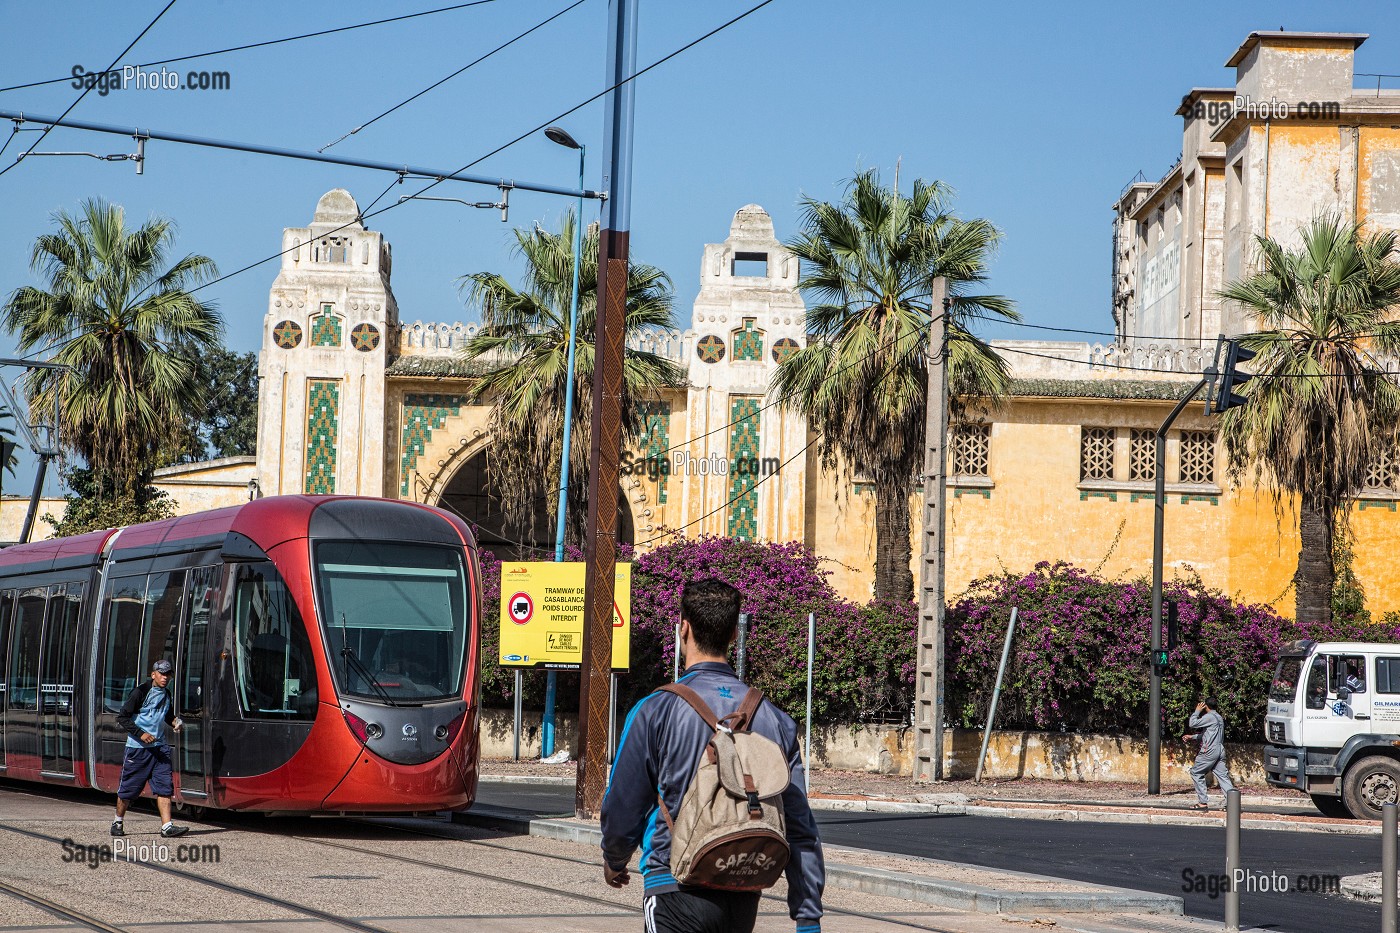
column 708, row 781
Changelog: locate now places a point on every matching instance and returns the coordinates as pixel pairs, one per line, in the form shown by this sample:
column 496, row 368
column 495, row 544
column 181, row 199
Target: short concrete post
column 1232, row 861
column 1388, row 868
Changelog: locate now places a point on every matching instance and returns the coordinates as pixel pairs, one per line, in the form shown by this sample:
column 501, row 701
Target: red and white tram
column 325, row 651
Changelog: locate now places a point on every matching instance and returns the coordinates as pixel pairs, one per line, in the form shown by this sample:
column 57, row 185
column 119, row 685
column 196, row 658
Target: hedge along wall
column 1079, row 662
column 864, row 664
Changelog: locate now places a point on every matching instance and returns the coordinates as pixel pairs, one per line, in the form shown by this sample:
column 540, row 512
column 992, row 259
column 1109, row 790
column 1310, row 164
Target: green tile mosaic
column 326, row 330
column 1213, row 500
column 743, row 446
column 1085, row 494
column 322, row 435
column 1388, row 505
column 748, row 341
column 422, row 415
column 960, row 491
column 656, row 439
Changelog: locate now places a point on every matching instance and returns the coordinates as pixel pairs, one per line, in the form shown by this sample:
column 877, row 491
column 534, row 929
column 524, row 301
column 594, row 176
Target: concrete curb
column 906, row 885
column 1032, row 811
column 549, row 779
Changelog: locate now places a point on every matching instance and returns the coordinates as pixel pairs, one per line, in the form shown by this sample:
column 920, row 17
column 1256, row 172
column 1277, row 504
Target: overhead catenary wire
column 426, row 188
column 467, row 67
column 131, row 45
column 258, row 45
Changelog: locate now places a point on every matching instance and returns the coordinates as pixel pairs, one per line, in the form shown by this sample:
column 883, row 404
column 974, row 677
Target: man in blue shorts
column 144, row 716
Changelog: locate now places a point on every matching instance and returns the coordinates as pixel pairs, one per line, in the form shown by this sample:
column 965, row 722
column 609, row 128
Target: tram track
column 293, row 906
column 59, row 910
column 577, row 861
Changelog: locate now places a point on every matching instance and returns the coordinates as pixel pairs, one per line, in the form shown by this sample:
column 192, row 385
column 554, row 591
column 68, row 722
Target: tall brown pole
column 605, row 447
column 928, row 695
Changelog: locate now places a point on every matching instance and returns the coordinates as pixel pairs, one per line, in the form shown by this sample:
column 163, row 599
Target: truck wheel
column 1331, row 806
column 1369, row 784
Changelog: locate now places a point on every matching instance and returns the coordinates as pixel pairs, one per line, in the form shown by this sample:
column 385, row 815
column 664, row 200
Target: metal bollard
column 740, row 648
column 1388, row 883
column 1232, row 861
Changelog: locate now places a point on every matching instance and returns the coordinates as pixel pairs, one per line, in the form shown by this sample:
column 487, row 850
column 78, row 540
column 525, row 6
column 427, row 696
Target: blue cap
column 162, row 667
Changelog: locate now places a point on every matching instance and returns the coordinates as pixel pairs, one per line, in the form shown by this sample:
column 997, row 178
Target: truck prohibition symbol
column 1333, row 726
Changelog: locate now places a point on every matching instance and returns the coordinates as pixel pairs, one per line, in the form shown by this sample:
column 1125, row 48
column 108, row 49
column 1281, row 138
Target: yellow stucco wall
column 1037, row 509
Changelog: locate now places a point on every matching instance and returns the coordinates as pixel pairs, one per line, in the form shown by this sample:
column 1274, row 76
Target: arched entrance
column 470, row 494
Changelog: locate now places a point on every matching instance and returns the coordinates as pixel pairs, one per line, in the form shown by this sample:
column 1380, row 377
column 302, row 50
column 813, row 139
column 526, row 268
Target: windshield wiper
column 361, row 668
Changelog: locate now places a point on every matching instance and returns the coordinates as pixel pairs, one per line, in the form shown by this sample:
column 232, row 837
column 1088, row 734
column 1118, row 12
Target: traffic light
column 1173, row 627
column 1231, row 377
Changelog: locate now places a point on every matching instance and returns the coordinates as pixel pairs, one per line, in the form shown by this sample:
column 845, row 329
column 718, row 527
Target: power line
column 258, row 45
column 388, row 207
column 75, row 103
column 454, row 74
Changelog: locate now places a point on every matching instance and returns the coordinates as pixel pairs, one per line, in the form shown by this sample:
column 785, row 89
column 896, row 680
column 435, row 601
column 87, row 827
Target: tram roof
column 269, row 521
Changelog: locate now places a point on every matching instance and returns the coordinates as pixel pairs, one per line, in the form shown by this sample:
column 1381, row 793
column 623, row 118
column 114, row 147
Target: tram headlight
column 374, row 730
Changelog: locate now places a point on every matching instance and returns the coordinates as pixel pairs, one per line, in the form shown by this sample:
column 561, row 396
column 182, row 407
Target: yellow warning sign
column 542, row 615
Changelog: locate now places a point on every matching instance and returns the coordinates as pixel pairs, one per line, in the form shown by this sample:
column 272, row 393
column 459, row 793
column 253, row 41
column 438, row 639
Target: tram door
column 56, row 678
column 190, row 696
column 7, row 599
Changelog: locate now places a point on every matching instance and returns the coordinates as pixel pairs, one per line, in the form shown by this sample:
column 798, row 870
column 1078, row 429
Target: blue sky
column 1037, row 114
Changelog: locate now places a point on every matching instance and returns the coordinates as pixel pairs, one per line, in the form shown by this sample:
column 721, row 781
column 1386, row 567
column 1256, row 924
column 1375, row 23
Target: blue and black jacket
column 658, row 754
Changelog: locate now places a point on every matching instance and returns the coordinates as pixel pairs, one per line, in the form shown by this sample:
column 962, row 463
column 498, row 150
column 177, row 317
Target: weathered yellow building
column 354, row 399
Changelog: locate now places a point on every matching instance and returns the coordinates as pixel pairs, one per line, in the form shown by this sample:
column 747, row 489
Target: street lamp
column 559, row 135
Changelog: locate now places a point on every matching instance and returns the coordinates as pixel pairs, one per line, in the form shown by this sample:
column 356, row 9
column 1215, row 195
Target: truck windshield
column 395, row 618
column 1285, row 686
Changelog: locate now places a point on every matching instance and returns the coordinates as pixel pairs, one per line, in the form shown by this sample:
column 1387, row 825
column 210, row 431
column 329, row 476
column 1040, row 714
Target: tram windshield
column 395, row 618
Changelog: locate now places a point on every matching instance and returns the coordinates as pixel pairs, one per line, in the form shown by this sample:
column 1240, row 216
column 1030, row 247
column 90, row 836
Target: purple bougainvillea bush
column 860, row 671
column 1080, row 657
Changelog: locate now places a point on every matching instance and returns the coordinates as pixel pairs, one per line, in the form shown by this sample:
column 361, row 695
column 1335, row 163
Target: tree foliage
column 523, row 349
column 121, row 317
column 868, row 264
column 227, row 425
column 92, row 505
column 1322, row 406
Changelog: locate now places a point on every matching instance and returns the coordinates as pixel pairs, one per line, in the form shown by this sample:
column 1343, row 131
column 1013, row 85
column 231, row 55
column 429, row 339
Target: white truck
column 1333, row 725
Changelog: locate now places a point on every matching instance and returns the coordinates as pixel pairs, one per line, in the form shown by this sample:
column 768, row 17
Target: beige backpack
column 730, row 833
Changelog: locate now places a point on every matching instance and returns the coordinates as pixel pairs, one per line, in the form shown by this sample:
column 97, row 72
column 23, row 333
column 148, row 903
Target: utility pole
column 928, row 696
column 605, row 447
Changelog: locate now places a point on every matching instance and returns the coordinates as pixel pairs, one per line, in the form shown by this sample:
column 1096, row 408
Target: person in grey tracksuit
column 657, row 755
column 1211, row 757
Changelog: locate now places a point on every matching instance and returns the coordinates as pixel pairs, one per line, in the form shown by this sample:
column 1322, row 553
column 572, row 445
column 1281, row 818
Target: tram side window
column 165, row 594
column 203, row 582
column 126, row 610
column 28, row 625
column 275, row 672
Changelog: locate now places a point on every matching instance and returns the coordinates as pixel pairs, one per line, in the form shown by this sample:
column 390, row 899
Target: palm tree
column 128, row 329
column 862, row 379
column 1321, row 408
column 523, row 349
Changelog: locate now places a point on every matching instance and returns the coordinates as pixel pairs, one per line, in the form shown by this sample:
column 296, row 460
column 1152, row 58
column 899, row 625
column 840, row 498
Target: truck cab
column 1333, row 725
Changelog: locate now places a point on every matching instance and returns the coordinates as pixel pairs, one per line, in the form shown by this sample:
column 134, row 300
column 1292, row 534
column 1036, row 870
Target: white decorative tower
column 331, row 319
column 748, row 317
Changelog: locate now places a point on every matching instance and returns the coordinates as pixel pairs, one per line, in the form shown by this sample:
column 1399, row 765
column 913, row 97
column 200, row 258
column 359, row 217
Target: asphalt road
column 1148, row 858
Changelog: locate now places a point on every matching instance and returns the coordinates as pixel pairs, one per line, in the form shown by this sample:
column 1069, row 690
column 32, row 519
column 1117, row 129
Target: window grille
column 1096, row 453
column 1142, row 455
column 1198, row 457
column 970, row 450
